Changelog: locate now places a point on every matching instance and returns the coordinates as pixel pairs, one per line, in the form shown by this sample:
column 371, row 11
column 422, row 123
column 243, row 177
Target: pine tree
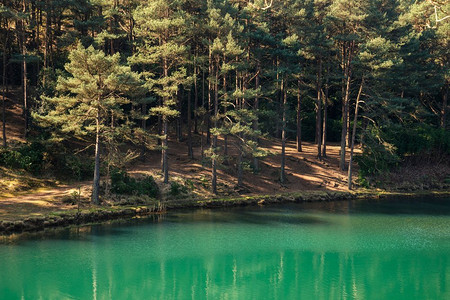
column 7, row 15
column 347, row 25
column 88, row 98
column 160, row 29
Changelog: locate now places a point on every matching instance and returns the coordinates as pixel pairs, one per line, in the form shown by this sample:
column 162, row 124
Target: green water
column 341, row 250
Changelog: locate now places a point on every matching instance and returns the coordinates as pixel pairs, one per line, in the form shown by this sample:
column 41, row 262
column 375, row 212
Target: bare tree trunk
column 349, row 136
column 180, row 116
column 96, row 183
column 255, row 122
column 239, row 164
column 214, row 172
column 214, row 146
column 25, row 93
column 165, row 139
column 444, row 106
column 325, row 114
column 208, row 110
column 189, row 125
column 195, row 101
column 159, row 129
column 202, row 150
column 225, row 138
column 144, row 129
column 202, row 147
column 345, row 107
column 4, row 95
column 46, row 39
column 319, row 111
column 299, row 118
column 283, row 134
column 24, row 70
column 279, row 104
column 165, row 166
column 353, row 136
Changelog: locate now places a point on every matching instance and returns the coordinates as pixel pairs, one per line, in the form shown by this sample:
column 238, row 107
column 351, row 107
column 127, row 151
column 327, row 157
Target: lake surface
column 339, row 250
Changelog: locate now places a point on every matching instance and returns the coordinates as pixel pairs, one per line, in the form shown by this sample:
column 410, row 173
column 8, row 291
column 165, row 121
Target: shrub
column 122, row 183
column 27, row 157
column 377, row 156
column 417, row 139
column 73, row 166
column 177, row 189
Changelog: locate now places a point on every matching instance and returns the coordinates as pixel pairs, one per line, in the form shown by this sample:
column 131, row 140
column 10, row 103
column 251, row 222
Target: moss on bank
column 98, row 214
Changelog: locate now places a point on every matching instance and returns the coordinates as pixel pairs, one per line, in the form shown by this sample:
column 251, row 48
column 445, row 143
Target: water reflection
column 282, row 252
column 282, row 275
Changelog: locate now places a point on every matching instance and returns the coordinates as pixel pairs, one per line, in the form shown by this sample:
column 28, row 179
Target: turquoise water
column 339, row 250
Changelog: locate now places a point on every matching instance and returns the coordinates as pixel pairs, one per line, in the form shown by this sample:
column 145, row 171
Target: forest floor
column 22, row 194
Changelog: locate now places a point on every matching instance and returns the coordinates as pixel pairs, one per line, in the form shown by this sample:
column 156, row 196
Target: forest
column 101, row 83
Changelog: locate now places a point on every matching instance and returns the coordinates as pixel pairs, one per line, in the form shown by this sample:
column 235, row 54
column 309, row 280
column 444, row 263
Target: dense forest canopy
column 115, row 72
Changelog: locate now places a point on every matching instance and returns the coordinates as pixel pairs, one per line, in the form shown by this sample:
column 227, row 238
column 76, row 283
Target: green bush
column 417, row 139
column 362, row 181
column 377, row 156
column 122, row 183
column 27, row 157
column 61, row 161
column 75, row 167
column 177, row 189
column 385, row 147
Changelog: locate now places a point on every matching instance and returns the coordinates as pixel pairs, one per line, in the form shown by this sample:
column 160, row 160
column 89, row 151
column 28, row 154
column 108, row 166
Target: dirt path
column 304, row 172
column 39, row 202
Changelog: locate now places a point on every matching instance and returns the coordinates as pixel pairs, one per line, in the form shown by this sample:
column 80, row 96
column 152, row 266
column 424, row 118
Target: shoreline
column 101, row 214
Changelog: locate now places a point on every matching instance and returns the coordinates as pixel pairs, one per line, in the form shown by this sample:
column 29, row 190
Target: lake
column 374, row 249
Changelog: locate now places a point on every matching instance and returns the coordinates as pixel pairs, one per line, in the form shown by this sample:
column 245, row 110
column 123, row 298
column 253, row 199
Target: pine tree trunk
column 25, row 95
column 225, row 138
column 195, row 101
column 255, row 122
column 96, row 183
column 325, row 115
column 202, row 147
column 47, row 37
column 278, row 98
column 4, row 96
column 208, row 110
column 214, row 145
column 299, row 118
column 283, row 135
column 239, row 163
column 444, row 106
column 160, row 124
column 189, row 125
column 144, row 129
column 225, row 148
column 214, row 175
column 180, row 116
column 345, row 108
column 353, row 136
column 325, row 124
column 24, row 71
column 349, row 136
column 202, row 143
column 319, row 111
column 164, row 162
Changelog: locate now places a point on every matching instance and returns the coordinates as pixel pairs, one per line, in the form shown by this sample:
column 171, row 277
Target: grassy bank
column 97, row 214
